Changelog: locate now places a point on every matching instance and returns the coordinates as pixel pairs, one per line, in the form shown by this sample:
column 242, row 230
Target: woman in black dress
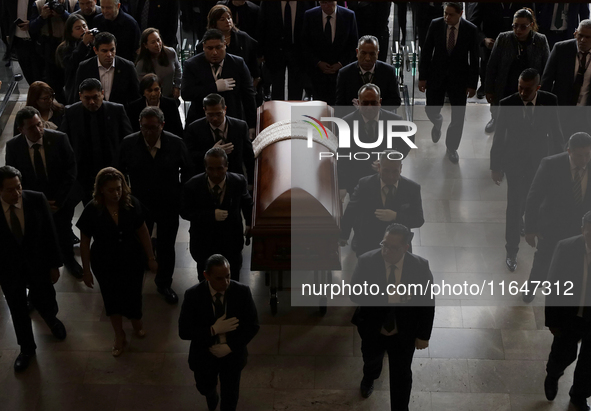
column 118, row 254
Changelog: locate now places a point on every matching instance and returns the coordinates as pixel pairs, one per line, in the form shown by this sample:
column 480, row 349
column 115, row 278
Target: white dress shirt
column 153, row 150
column 107, row 75
column 457, row 30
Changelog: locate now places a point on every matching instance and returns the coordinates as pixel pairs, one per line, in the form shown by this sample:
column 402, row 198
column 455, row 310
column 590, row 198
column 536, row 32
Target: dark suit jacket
column 316, row 45
column 550, row 208
column 155, row 181
column 367, row 198
column 60, row 164
column 576, row 13
column 198, row 82
column 172, row 118
column 197, row 317
column 126, row 86
column 199, row 139
column 517, row 143
column 39, row 250
column 413, row 318
column 162, row 14
column 349, row 81
column 350, row 171
column 241, row 45
column 460, row 69
column 126, row 31
column 559, row 74
column 567, row 264
column 198, row 207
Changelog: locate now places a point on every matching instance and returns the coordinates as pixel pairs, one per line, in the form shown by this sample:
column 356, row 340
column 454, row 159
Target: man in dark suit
column 562, row 78
column 569, row 317
column 152, row 160
column 213, row 202
column 214, row 71
column 220, row 319
column 160, row 14
column 30, row 259
column 449, row 65
column 47, row 163
column 378, row 201
column 118, row 76
column 392, row 323
column 368, row 116
column 372, row 20
column 558, row 20
column 367, row 69
column 89, row 10
column 280, row 45
column 329, row 36
column 559, row 196
column 529, row 130
column 121, row 25
column 95, row 128
column 218, row 130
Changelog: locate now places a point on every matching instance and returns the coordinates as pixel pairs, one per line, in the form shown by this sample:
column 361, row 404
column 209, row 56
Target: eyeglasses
column 393, row 249
column 520, row 26
column 46, row 98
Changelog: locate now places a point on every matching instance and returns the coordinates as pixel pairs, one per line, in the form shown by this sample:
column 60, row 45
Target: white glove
column 220, row 215
column 220, row 350
column 385, row 215
column 225, row 84
column 223, row 326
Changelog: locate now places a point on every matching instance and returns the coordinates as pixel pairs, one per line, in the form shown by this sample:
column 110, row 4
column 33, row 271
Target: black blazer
column 550, row 208
column 162, row 14
column 349, row 81
column 126, row 31
column 414, row 318
column 155, row 180
column 197, row 317
column 576, row 13
column 172, row 118
column 241, row 45
column 518, row 143
column 458, row 70
column 559, row 74
column 199, row 139
column 126, row 86
column 367, row 198
column 198, row 207
column 39, row 251
column 198, row 82
column 60, row 164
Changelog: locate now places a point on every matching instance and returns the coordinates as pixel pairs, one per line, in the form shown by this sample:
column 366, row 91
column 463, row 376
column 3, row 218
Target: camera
column 94, row 31
column 56, row 6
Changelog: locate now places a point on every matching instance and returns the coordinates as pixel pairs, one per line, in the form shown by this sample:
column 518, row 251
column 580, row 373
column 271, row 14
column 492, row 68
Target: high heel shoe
column 117, row 351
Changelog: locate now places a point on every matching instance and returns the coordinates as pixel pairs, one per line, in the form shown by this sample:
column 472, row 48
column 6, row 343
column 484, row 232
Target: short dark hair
column 7, row 172
column 530, row 74
column 215, row 152
column 152, row 111
column 213, row 34
column 579, row 140
column 214, row 99
column 104, row 37
column 458, row 6
column 402, row 230
column 25, row 113
column 147, row 81
column 90, row 84
column 216, row 260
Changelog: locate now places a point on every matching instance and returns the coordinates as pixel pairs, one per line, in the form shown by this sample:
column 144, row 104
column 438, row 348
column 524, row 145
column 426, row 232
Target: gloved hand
column 225, row 84
column 220, row 215
column 220, row 350
column 223, row 326
column 385, row 215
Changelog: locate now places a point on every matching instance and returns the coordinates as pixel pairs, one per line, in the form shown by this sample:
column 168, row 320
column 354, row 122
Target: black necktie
column 39, row 166
column 287, row 34
column 390, row 196
column 215, row 70
column 216, row 194
column 15, row 225
column 328, row 30
column 451, row 39
column 366, row 77
column 218, row 135
column 390, row 320
column 578, row 84
column 218, row 305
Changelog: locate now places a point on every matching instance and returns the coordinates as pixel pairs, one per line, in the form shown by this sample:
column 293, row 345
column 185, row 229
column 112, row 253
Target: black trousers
column 400, row 352
column 32, row 64
column 457, row 98
column 324, row 86
column 229, row 369
column 295, row 78
column 564, row 352
column 518, row 183
column 42, row 295
column 167, row 228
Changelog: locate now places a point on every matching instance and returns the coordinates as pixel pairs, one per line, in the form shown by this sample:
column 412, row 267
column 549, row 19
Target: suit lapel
column 24, row 148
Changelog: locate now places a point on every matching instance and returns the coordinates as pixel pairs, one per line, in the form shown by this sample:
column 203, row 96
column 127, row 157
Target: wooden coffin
column 297, row 208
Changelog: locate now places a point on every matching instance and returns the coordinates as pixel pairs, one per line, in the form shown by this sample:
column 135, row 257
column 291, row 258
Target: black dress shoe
column 169, row 295
column 58, row 330
column 490, row 126
column 480, row 93
column 580, row 404
column 550, row 387
column 511, row 263
column 453, row 156
column 22, row 361
column 435, row 134
column 212, row 400
column 529, row 297
column 74, row 268
column 366, row 388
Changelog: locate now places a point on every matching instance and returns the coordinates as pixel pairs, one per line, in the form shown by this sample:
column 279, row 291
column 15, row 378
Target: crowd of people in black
column 102, row 126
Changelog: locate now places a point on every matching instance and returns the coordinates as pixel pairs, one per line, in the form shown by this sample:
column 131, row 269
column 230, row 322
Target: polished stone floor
column 483, row 354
